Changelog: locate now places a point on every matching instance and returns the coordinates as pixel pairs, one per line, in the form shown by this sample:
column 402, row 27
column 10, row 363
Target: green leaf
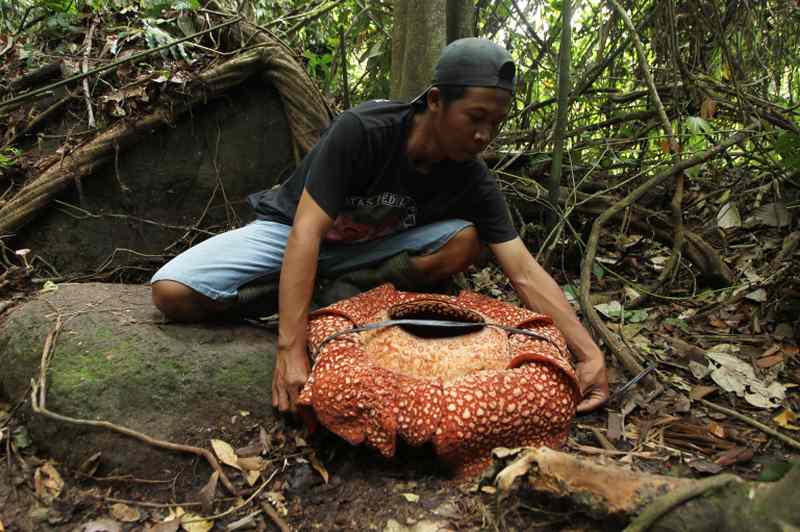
column 776, row 470
column 698, row 125
column 679, row 323
column 598, row 270
column 788, row 147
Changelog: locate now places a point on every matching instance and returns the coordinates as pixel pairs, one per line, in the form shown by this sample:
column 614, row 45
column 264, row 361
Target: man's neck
column 422, row 147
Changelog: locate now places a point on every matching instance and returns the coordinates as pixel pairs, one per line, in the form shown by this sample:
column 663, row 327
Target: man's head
column 474, row 62
column 470, row 96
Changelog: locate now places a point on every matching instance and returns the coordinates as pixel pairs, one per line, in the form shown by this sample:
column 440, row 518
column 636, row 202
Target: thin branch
column 621, row 351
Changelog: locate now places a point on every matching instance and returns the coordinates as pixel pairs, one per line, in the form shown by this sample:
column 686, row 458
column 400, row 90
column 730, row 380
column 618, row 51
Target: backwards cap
column 475, row 62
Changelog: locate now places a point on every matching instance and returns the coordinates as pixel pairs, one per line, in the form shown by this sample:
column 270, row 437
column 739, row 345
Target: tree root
column 668, row 502
column 660, row 502
column 38, row 405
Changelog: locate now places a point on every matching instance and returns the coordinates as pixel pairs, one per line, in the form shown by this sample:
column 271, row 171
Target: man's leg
column 209, row 280
column 418, row 259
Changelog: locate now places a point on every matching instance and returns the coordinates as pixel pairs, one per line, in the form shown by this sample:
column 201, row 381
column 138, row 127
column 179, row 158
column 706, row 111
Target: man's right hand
column 292, row 368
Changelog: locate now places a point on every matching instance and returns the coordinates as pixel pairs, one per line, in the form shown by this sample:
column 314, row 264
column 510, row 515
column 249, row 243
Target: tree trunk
column 460, row 19
column 564, row 58
column 418, row 37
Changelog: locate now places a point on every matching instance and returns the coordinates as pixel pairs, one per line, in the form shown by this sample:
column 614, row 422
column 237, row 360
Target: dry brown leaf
column 716, row 429
column 735, row 456
column 708, row 108
column 168, row 526
column 126, row 514
column 90, row 465
column 787, row 420
column 769, row 361
column 252, row 477
column 192, row 522
column 225, row 453
column 101, row 525
column 47, row 482
column 700, row 391
column 252, row 463
column 206, row 495
column 718, row 323
column 316, row 464
column 264, row 438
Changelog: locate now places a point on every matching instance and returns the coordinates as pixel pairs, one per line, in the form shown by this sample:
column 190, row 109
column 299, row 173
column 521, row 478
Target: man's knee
column 461, row 251
column 467, row 248
column 176, row 301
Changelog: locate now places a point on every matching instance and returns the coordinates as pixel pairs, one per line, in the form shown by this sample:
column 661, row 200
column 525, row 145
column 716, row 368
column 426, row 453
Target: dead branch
column 666, row 503
column 275, row 516
column 791, row 442
column 603, row 489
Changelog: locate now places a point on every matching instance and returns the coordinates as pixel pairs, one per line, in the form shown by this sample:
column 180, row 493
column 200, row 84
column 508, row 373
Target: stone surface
column 196, row 171
column 115, row 360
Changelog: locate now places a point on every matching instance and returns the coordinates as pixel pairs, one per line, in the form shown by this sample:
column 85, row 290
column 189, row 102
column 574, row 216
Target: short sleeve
column 489, row 209
column 339, row 154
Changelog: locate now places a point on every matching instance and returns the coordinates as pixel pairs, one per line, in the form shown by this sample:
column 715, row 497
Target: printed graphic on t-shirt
column 364, row 218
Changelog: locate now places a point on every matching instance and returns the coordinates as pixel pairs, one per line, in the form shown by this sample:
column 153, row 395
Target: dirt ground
column 363, row 492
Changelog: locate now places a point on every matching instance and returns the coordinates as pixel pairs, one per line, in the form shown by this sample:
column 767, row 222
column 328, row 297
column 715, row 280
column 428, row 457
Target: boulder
column 116, row 360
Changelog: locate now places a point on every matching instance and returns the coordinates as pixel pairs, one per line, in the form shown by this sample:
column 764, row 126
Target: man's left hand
column 593, row 383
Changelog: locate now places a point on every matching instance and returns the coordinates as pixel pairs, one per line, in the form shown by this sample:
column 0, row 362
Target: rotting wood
column 614, row 492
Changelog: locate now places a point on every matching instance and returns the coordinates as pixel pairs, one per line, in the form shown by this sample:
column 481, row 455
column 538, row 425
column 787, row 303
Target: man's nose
column 483, row 135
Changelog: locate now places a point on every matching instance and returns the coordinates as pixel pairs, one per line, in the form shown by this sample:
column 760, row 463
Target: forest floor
column 318, row 482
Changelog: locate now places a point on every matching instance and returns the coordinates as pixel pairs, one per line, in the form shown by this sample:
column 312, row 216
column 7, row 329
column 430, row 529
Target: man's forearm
column 298, row 274
column 540, row 292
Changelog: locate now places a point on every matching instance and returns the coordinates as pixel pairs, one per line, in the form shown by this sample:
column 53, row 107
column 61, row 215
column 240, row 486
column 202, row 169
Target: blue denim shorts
column 219, row 266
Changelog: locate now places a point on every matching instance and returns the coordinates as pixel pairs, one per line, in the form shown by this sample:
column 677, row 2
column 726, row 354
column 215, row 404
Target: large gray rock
column 115, row 360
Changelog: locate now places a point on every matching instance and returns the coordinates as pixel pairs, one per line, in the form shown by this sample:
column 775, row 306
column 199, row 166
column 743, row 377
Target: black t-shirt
column 361, row 176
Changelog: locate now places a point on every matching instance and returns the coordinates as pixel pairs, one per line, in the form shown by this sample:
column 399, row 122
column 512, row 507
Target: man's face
column 466, row 126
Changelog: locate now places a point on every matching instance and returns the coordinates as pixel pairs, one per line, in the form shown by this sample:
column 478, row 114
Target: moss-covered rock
column 116, row 360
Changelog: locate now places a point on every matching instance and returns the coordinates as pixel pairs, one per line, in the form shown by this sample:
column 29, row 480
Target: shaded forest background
column 651, row 161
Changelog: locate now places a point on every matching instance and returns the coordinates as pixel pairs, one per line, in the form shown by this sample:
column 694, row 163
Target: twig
column 753, row 423
column 146, row 504
column 667, row 502
column 38, row 405
column 645, row 68
column 276, row 518
column 85, row 68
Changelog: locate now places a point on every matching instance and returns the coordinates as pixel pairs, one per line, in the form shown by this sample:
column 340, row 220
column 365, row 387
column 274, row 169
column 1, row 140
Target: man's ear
column 434, row 99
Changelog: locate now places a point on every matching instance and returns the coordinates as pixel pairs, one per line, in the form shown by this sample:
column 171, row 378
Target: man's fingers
column 594, row 400
column 294, row 394
column 283, row 400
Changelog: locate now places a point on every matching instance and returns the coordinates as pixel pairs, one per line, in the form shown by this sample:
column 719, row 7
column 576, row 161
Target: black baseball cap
column 473, row 62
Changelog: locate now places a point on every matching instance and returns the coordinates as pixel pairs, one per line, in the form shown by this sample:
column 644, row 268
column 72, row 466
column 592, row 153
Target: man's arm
column 539, row 292
column 298, row 273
